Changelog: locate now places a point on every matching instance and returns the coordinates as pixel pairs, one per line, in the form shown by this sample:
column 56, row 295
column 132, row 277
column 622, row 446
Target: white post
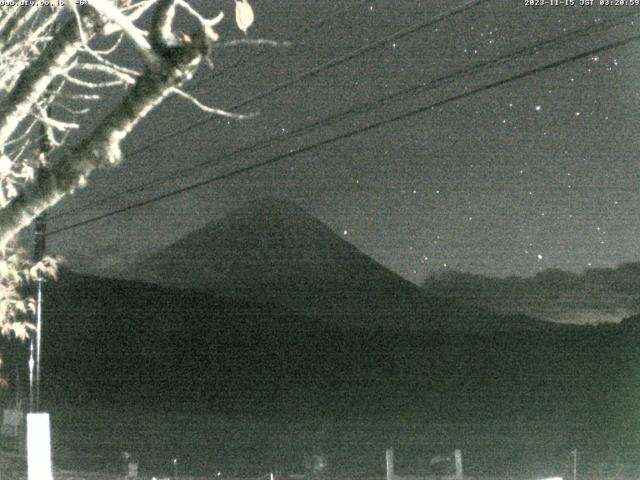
column 458, row 456
column 389, row 453
column 132, row 470
column 39, row 447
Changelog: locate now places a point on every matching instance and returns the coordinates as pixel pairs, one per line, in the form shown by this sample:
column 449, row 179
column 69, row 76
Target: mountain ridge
column 131, row 343
column 598, row 295
column 271, row 250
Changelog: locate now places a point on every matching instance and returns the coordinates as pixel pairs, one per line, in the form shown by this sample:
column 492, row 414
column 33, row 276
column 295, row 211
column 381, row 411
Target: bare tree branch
column 102, row 147
column 35, row 80
column 205, row 108
column 257, row 41
column 109, row 10
column 43, row 66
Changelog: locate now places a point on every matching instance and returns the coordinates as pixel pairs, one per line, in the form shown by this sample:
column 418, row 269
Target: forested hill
column 129, row 343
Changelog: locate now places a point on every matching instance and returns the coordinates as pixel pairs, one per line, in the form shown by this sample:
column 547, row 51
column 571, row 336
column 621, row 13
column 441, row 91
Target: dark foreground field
column 251, row 448
column 87, row 444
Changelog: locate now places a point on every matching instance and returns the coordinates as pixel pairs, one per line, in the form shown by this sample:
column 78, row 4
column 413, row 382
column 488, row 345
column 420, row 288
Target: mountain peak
column 276, row 204
column 272, row 250
column 269, row 213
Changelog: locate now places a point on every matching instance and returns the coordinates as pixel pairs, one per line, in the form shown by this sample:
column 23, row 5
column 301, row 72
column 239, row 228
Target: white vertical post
column 39, row 447
column 459, row 471
column 132, row 470
column 390, row 474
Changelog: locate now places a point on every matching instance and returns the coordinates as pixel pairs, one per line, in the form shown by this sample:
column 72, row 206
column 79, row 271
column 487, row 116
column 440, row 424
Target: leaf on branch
column 21, row 329
column 5, row 165
column 4, row 269
column 27, row 173
column 21, row 307
column 10, row 189
column 244, row 15
column 45, row 268
column 31, row 305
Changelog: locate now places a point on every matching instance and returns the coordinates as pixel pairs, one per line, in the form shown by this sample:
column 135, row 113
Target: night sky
column 539, row 172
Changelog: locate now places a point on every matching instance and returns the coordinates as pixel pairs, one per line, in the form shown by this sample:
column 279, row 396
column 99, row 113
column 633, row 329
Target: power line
column 352, row 133
column 320, row 23
column 314, row 71
column 317, row 70
column 367, row 107
column 306, row 28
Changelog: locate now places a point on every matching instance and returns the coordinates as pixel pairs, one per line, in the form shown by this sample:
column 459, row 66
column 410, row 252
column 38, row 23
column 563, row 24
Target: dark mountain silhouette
column 595, row 296
column 116, row 344
column 282, row 305
column 272, row 251
column 124, row 342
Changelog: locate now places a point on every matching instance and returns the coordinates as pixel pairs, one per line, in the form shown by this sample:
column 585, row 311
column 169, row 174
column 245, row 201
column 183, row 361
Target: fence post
column 38, row 447
column 390, row 474
column 458, row 455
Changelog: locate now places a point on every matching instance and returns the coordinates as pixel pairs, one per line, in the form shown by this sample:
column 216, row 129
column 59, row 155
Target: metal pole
column 38, row 342
column 39, row 245
column 31, row 365
column 575, row 463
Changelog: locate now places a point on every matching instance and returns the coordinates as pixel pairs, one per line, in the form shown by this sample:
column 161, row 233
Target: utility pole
column 39, row 465
column 39, row 246
column 32, row 361
column 574, row 453
column 36, row 339
column 38, row 253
